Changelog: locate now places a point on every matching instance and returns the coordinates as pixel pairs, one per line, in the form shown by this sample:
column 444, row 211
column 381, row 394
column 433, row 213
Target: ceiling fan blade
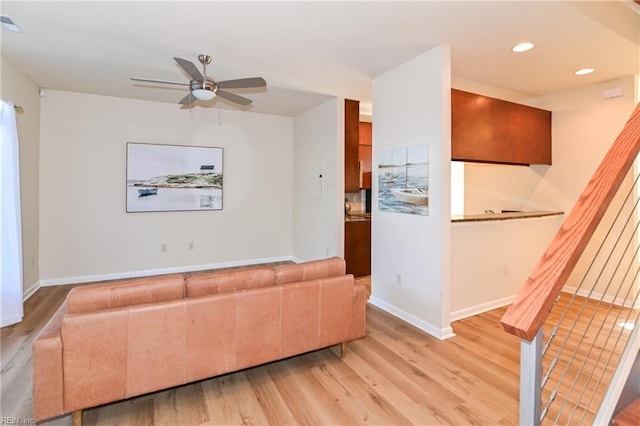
column 190, row 69
column 150, row 80
column 234, row 98
column 242, row 83
column 187, row 100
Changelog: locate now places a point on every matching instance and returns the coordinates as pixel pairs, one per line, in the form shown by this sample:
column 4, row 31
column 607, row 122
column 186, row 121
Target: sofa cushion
column 115, row 294
column 314, row 270
column 300, row 317
column 211, row 336
column 228, row 281
column 94, row 358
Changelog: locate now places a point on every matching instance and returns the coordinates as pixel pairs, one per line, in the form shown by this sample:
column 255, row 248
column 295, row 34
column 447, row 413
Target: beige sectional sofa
column 120, row 339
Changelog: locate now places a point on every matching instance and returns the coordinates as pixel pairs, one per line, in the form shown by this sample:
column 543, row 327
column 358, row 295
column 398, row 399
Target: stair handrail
column 526, row 315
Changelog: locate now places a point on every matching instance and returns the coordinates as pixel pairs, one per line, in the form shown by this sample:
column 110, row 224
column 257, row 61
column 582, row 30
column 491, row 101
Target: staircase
column 630, row 416
column 627, row 411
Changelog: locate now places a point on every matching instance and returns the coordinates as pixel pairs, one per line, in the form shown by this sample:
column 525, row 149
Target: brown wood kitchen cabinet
column 357, row 247
column 366, row 135
column 365, row 154
column 351, row 145
column 485, row 129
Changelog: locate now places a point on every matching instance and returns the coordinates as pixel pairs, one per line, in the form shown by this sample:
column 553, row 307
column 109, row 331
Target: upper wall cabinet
column 351, row 145
column 365, row 154
column 491, row 130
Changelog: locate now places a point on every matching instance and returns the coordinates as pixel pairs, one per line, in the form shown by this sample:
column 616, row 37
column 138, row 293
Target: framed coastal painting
column 403, row 180
column 173, row 178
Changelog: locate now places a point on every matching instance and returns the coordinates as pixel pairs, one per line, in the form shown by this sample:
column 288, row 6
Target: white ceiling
column 309, row 51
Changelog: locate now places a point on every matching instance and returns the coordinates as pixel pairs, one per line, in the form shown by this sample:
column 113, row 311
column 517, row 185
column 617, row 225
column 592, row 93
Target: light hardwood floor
column 396, row 375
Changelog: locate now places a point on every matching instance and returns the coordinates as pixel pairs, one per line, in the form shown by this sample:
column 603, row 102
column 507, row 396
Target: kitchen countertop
column 484, row 217
column 503, row 216
column 357, row 217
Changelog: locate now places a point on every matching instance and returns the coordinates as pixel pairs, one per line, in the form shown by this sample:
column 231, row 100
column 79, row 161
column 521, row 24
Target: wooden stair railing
column 525, row 317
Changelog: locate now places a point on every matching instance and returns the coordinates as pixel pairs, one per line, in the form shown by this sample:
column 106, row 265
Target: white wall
column 491, row 260
column 318, row 212
column 16, row 87
column 411, row 107
column 584, row 126
column 457, row 188
column 501, row 187
column 85, row 233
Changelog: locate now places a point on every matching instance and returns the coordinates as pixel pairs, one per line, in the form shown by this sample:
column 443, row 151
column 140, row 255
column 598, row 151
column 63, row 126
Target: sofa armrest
column 359, row 320
column 48, row 393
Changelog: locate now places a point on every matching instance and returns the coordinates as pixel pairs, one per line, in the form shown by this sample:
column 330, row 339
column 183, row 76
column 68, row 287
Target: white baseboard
column 440, row 333
column 599, row 296
column 483, row 307
column 148, row 272
column 30, row 291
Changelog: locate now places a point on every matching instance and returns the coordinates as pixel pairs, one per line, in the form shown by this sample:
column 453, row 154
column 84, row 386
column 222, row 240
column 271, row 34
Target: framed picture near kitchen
column 164, row 178
column 403, row 180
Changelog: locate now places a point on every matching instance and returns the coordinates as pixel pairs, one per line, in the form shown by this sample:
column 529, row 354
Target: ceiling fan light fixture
column 204, row 94
column 203, row 90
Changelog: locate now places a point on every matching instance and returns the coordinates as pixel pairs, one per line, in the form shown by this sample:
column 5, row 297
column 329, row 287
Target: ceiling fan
column 204, row 88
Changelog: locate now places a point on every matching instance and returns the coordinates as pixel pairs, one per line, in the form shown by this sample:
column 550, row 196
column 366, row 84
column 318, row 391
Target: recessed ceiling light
column 8, row 23
column 584, row 71
column 522, row 47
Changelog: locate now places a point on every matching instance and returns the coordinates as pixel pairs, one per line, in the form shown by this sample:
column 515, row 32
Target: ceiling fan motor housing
column 205, row 85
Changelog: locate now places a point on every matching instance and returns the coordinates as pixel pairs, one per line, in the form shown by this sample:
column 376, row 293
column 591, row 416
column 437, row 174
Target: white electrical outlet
column 163, row 248
column 398, row 278
column 191, row 245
